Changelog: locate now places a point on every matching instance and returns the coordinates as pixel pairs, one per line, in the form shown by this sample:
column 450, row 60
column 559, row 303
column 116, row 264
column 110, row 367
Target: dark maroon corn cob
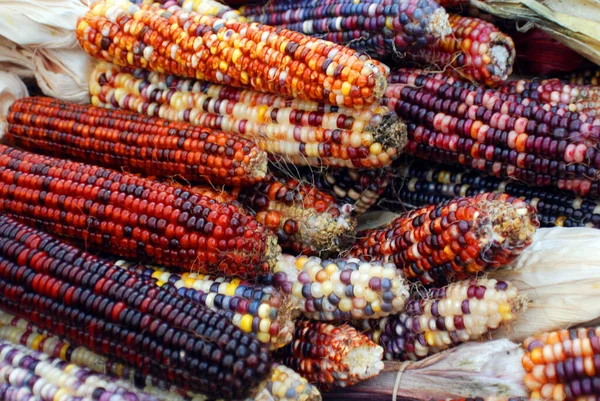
column 94, row 303
column 133, row 217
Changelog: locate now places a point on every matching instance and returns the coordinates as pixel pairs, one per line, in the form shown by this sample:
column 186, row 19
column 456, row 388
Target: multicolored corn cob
column 30, row 375
column 452, row 240
column 133, row 217
column 512, row 138
column 94, row 303
column 418, row 184
column 588, row 77
column 291, row 130
column 331, row 356
column 476, row 50
column 359, row 188
column 121, row 139
column 259, row 309
column 378, row 28
column 445, row 317
column 575, row 98
column 563, row 365
column 283, row 385
column 229, row 52
column 205, row 7
column 341, row 289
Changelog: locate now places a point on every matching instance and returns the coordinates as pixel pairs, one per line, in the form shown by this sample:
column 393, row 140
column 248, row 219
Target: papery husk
column 488, row 369
column 572, row 22
column 560, row 275
column 11, row 89
column 15, row 59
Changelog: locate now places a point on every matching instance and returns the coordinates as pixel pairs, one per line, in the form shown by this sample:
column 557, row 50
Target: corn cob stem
column 419, row 185
column 94, row 303
column 331, row 356
column 133, row 217
column 379, row 28
column 230, row 52
column 454, row 239
column 300, row 131
column 342, row 289
column 122, row 139
column 562, row 365
column 445, row 317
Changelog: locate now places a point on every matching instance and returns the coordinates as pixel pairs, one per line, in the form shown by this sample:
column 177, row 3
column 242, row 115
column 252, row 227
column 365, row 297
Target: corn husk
column 560, row 275
column 11, row 88
column 489, row 369
column 15, row 59
column 576, row 23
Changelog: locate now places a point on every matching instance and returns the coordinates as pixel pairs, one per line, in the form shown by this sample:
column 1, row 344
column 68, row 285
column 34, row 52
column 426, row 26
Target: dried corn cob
column 230, row 52
column 476, row 50
column 342, row 289
column 205, row 7
column 563, row 365
column 259, row 309
column 122, row 139
column 331, row 356
column 588, row 77
column 133, row 217
column 303, row 132
column 575, row 98
column 359, row 188
column 445, row 317
column 419, row 185
column 283, row 385
column 455, row 239
column 379, row 28
column 91, row 302
column 476, row 128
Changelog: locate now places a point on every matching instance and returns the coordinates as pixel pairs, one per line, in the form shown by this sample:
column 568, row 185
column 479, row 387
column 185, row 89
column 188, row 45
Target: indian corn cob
column 359, row 188
column 299, row 131
column 331, row 356
column 418, row 185
column 94, row 303
column 450, row 123
column 575, row 98
column 133, row 217
column 341, row 289
column 563, row 365
column 229, row 52
column 205, row 7
column 259, row 309
column 588, row 77
column 445, row 317
column 118, row 139
column 379, row 28
column 476, row 50
column 283, row 385
column 455, row 239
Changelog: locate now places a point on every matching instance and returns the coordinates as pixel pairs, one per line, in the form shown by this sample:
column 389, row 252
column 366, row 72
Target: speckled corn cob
column 259, row 309
column 419, row 185
column 575, row 98
column 455, row 239
column 291, row 130
column 342, row 289
column 121, row 139
column 229, row 52
column 331, row 356
column 379, row 28
column 445, row 317
column 359, row 188
column 448, row 122
column 563, row 365
column 283, row 385
column 133, row 217
column 476, row 50
column 584, row 78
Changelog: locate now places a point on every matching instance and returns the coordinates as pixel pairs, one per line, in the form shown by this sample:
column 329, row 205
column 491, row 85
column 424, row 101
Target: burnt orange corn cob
column 121, row 139
column 331, row 356
column 229, row 52
column 133, row 217
column 455, row 239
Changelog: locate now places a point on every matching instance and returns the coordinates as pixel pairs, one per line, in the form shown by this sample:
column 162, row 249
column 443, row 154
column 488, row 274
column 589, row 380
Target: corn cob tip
column 365, row 362
column 502, row 53
column 328, row 233
column 391, row 133
column 287, row 385
column 439, row 25
column 258, row 166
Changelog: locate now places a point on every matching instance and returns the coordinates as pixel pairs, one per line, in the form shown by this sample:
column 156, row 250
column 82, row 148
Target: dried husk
column 572, row 22
column 11, row 88
column 488, row 369
column 560, row 275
